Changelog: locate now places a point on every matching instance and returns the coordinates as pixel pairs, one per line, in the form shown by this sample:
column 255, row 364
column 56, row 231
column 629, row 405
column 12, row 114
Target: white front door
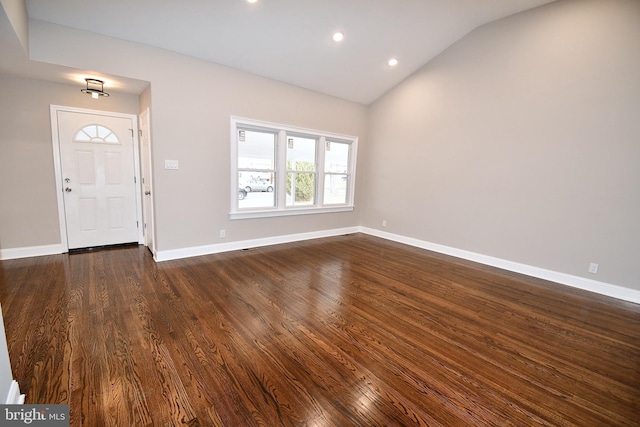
column 98, row 179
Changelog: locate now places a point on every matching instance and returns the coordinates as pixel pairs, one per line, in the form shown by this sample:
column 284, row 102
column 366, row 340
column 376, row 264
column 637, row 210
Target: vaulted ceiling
column 291, row 40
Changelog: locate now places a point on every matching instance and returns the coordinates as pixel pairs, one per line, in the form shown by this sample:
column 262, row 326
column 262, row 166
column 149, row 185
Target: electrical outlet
column 223, row 233
column 384, row 222
column 593, row 268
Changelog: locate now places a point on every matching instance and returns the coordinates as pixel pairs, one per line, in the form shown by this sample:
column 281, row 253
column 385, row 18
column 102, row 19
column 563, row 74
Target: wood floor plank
column 345, row 331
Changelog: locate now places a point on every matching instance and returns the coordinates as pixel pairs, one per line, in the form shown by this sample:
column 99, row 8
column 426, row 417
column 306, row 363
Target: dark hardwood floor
column 344, row 331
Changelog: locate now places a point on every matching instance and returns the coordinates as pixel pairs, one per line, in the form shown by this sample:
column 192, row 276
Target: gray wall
column 521, row 142
column 191, row 103
column 28, row 203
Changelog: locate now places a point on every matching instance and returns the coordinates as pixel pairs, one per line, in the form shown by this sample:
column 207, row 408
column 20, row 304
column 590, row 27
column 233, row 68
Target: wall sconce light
column 95, row 88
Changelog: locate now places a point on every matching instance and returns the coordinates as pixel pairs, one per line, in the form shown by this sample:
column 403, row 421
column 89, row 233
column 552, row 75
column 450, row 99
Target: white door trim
column 146, row 160
column 53, row 109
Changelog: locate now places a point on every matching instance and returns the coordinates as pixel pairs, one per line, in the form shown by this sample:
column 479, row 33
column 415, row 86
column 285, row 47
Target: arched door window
column 97, row 134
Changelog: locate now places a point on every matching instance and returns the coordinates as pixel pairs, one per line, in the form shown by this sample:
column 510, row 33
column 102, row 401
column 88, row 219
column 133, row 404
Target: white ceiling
column 291, row 40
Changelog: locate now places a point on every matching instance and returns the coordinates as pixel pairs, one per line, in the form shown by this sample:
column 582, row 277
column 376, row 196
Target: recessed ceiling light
column 338, row 37
column 252, row 1
column 392, row 62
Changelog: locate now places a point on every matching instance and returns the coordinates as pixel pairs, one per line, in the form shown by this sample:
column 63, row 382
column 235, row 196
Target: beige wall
column 16, row 12
column 191, row 105
column 28, row 203
column 522, row 142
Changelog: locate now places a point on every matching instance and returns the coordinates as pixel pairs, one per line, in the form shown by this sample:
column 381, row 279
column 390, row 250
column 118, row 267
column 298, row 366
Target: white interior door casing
column 97, row 174
column 147, row 185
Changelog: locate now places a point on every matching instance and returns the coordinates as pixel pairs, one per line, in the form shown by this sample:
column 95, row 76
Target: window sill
column 288, row 212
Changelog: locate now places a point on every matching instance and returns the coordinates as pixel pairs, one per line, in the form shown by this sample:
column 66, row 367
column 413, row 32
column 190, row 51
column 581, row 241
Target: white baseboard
column 602, row 288
column 253, row 243
column 14, row 397
column 31, row 251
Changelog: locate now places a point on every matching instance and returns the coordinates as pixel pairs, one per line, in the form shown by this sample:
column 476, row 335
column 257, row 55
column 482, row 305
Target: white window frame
column 280, row 208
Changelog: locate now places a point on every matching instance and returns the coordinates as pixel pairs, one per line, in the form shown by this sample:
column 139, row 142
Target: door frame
column 57, row 164
column 146, row 164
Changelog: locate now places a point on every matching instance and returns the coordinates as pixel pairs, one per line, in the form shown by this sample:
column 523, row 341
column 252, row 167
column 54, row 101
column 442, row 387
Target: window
column 96, row 133
column 336, row 172
column 283, row 170
column 256, row 168
column 301, row 171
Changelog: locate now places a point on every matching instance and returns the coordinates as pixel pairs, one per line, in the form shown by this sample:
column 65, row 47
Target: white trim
column 150, row 234
column 14, row 397
column 602, row 288
column 289, row 211
column 246, row 244
column 261, row 124
column 53, row 111
column 31, row 251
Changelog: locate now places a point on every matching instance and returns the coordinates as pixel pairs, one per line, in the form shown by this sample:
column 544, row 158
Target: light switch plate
column 171, row 164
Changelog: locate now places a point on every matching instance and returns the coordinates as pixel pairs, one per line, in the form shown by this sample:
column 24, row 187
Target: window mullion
column 320, row 157
column 281, row 169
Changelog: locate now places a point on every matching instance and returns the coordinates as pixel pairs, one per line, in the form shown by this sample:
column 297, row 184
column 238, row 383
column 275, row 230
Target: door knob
column 147, row 193
column 68, row 190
